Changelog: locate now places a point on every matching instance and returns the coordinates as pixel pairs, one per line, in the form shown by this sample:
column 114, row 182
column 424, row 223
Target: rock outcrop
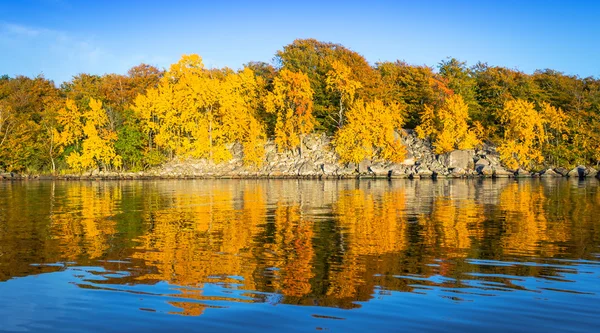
column 317, row 159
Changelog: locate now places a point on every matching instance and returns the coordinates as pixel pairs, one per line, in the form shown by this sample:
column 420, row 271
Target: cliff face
column 319, row 160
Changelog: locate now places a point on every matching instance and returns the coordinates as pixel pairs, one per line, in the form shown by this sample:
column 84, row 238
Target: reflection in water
column 212, row 244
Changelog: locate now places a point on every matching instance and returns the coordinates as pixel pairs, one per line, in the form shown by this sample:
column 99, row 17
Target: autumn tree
column 314, row 58
column 448, row 126
column 461, row 79
column 338, row 81
column 22, row 138
column 86, row 129
column 292, row 102
column 198, row 113
column 524, row 134
column 369, row 133
column 414, row 86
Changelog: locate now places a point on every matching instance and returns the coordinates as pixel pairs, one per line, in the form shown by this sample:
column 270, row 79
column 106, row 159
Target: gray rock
column 458, row 172
column 363, row 166
column 328, row 169
column 457, row 159
column 500, row 172
column 485, row 170
column 578, row 171
column 591, row 172
column 562, row 171
column 482, row 162
column 549, row 173
column 424, row 172
column 307, row 169
column 522, row 173
column 379, row 170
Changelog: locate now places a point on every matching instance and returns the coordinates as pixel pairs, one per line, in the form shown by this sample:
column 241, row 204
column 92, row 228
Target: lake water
column 289, row 255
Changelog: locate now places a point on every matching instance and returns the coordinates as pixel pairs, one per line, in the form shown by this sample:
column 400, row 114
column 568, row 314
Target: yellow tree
column 369, row 133
column 292, row 102
column 556, row 126
column 338, row 81
column 524, row 134
column 195, row 112
column 86, row 129
column 449, row 126
column 239, row 103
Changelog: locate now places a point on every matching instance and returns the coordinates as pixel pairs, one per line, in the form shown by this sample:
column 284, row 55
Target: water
column 286, row 256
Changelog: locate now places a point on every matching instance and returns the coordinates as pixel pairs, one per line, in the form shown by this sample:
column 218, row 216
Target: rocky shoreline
column 319, row 161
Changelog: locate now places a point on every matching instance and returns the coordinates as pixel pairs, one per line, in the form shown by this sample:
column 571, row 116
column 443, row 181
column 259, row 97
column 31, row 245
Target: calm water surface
column 285, row 256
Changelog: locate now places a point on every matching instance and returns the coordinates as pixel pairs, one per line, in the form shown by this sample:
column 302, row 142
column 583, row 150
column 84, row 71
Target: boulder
column 379, row 170
column 424, row 172
column 457, row 159
column 485, row 170
column 363, row 166
column 522, row 173
column 562, row 171
column 457, row 172
column 398, row 171
column 482, row 162
column 591, row 172
column 549, row 173
column 307, row 169
column 328, row 169
column 500, row 172
column 578, row 171
column 409, row 161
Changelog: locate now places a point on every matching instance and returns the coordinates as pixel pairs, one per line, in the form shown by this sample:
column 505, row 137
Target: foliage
column 524, row 134
column 338, row 80
column 369, row 133
column 143, row 117
column 292, row 102
column 87, row 130
column 198, row 113
column 449, row 126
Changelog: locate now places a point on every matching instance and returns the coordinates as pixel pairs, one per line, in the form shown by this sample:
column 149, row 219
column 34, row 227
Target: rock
column 458, row 172
column 7, row 175
column 485, row 170
column 500, row 172
column 307, row 169
column 363, row 166
column 424, row 172
column 457, row 159
column 409, row 161
column 379, row 170
column 328, row 169
column 549, row 173
column 482, row 162
column 591, row 172
column 562, row 171
column 522, row 173
column 578, row 171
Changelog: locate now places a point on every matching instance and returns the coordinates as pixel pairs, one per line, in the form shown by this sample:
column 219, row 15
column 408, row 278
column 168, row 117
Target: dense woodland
column 141, row 119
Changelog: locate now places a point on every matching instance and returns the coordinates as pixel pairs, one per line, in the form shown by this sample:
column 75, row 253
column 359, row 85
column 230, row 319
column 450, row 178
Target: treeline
column 138, row 120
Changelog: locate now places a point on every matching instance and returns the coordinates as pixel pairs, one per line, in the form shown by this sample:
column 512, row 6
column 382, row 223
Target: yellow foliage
column 338, row 80
column 194, row 113
column 292, row 102
column 427, row 126
column 448, row 126
column 369, row 133
column 87, row 129
column 523, row 134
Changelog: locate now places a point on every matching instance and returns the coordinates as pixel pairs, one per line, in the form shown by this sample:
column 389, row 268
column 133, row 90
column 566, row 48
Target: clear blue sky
column 60, row 38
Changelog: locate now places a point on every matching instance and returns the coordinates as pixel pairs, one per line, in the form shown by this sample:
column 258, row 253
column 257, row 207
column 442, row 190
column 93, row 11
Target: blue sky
column 61, row 38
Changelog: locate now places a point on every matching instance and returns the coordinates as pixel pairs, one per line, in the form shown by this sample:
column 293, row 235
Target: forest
column 141, row 119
